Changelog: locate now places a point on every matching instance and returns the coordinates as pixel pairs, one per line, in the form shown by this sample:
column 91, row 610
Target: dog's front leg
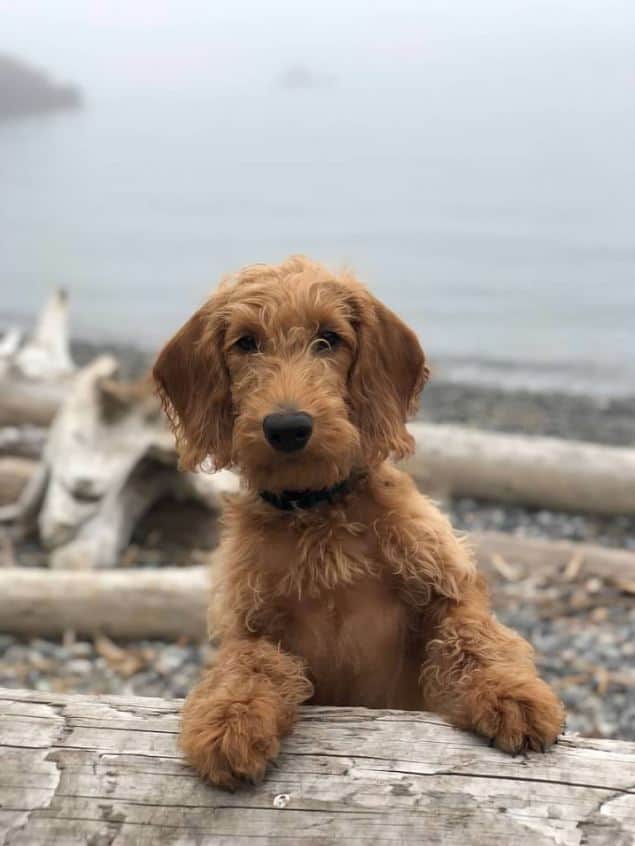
column 233, row 720
column 481, row 675
column 474, row 671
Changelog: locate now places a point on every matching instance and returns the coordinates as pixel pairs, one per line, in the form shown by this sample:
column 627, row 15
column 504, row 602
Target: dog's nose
column 288, row 431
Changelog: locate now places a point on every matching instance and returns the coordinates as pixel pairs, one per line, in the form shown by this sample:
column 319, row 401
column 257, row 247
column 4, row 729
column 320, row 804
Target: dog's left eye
column 327, row 339
column 247, row 344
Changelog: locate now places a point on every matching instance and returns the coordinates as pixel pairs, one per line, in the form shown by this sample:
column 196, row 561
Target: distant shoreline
column 25, row 90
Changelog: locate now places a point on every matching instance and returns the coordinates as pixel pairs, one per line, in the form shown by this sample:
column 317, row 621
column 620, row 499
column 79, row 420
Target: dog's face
column 293, row 376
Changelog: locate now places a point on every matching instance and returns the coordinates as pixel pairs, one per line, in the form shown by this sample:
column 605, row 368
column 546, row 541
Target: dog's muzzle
column 288, row 431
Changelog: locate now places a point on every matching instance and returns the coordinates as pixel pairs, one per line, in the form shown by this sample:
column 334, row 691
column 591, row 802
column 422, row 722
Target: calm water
column 506, row 239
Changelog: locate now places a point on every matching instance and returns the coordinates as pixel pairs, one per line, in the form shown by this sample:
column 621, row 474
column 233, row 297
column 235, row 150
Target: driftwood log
column 107, row 770
column 15, row 474
column 108, row 457
column 534, row 556
column 544, row 472
column 36, row 371
column 171, row 601
column 22, row 441
column 30, row 401
column 165, row 602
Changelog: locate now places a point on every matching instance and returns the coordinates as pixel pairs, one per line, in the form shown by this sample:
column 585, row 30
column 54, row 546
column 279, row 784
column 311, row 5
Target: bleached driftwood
column 93, row 494
column 99, row 540
column 30, row 401
column 24, row 510
column 544, row 472
column 168, row 601
column 97, row 770
column 15, row 474
column 165, row 602
column 109, row 456
column 9, row 345
column 47, row 353
column 534, row 556
column 22, row 441
column 35, row 373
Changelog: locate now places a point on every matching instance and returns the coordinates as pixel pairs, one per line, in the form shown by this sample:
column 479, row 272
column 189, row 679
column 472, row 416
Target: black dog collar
column 295, row 500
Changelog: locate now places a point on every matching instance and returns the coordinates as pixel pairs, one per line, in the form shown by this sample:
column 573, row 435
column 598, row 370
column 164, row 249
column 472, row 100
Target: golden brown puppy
column 341, row 584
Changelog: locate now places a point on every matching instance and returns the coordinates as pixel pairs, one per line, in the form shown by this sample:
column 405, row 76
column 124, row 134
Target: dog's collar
column 298, row 500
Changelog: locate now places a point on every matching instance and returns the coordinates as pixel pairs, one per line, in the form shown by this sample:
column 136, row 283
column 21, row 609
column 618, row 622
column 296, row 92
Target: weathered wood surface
column 36, row 372
column 534, row 555
column 546, row 472
column 15, row 474
column 166, row 602
column 30, row 402
column 106, row 770
column 108, row 457
column 22, row 441
column 171, row 601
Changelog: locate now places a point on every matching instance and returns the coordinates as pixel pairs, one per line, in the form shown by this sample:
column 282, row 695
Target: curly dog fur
column 369, row 599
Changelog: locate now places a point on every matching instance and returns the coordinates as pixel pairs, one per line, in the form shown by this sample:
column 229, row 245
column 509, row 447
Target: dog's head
column 293, row 376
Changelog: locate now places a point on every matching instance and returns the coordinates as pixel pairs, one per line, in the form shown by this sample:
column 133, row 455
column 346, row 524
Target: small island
column 25, row 90
column 301, row 78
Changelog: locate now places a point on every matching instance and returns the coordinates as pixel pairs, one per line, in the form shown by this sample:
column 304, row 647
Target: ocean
column 505, row 238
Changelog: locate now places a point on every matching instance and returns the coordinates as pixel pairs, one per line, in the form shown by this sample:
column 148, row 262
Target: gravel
column 138, row 668
column 584, row 636
column 584, row 418
column 472, row 515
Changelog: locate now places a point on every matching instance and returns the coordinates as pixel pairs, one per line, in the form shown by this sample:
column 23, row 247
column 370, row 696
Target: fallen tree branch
column 544, row 472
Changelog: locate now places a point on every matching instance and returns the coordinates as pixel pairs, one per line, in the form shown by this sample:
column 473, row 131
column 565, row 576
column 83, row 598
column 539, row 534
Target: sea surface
column 507, row 239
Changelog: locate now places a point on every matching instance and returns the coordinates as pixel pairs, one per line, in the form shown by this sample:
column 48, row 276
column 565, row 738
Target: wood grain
column 106, row 770
column 544, row 472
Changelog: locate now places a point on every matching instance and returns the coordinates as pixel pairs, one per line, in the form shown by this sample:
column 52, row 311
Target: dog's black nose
column 288, row 431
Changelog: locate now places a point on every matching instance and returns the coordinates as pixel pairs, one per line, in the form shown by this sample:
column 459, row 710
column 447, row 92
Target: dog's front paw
column 230, row 742
column 521, row 716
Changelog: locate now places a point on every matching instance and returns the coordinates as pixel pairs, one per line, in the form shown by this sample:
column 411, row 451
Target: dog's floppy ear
column 386, row 378
column 194, row 388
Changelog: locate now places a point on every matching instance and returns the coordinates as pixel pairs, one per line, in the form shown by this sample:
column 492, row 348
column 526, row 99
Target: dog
column 338, row 582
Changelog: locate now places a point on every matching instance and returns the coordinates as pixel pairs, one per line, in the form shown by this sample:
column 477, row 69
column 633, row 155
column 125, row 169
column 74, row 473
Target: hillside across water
column 26, row 90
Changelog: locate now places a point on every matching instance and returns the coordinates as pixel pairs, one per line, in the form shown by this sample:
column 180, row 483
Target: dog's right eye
column 247, row 344
column 327, row 340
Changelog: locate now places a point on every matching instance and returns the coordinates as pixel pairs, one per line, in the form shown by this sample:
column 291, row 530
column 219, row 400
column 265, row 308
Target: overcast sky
column 110, row 45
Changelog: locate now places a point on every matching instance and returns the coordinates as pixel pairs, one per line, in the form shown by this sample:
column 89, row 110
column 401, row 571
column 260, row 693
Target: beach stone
column 79, row 666
column 81, row 649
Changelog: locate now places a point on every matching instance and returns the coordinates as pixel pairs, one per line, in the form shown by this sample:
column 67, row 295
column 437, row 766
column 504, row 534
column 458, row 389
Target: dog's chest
column 356, row 641
column 324, row 591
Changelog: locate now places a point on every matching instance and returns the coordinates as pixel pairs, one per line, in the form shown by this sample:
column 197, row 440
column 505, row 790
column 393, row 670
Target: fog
column 472, row 160
column 543, row 48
